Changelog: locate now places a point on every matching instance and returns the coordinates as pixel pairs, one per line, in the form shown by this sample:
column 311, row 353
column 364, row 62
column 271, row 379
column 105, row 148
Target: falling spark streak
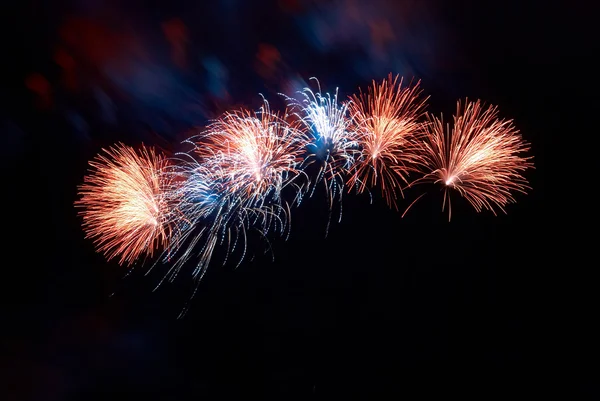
column 196, row 211
column 387, row 119
column 480, row 157
column 125, row 210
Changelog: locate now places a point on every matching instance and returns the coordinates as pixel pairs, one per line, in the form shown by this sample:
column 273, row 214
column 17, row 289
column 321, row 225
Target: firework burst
column 254, row 154
column 387, row 119
column 479, row 157
column 331, row 141
column 230, row 182
column 124, row 207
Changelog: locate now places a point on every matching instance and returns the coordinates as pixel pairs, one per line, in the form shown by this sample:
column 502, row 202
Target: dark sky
column 383, row 307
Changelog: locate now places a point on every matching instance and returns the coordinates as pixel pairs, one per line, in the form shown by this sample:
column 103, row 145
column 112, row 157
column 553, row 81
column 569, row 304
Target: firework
column 254, row 154
column 387, row 119
column 479, row 157
column 332, row 143
column 242, row 167
column 193, row 196
column 124, row 208
column 230, row 182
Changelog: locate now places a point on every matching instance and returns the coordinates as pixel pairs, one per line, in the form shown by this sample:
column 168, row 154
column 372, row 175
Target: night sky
column 383, row 307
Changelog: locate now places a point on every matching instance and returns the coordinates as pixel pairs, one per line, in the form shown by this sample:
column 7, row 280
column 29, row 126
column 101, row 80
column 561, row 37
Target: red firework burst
column 480, row 156
column 252, row 154
column 124, row 209
column 387, row 118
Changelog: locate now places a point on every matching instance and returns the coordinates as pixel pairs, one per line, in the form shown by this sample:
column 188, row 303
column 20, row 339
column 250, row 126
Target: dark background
column 384, row 306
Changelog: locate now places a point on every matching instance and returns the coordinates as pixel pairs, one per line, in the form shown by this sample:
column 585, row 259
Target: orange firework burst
column 124, row 210
column 252, row 153
column 387, row 118
column 479, row 157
